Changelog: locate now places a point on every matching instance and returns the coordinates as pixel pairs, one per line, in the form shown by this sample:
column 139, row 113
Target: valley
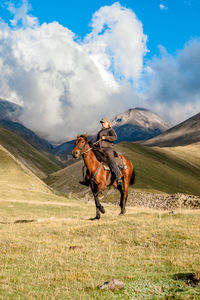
column 50, row 249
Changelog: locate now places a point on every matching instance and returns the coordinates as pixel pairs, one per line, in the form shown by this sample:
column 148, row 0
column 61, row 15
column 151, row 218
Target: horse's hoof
column 122, row 213
column 102, row 210
column 95, row 218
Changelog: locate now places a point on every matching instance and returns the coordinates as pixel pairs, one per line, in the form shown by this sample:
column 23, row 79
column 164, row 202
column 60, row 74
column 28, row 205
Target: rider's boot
column 85, row 182
column 115, row 170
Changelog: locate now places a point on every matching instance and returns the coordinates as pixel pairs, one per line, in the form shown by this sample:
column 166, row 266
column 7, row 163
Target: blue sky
column 68, row 63
column 171, row 26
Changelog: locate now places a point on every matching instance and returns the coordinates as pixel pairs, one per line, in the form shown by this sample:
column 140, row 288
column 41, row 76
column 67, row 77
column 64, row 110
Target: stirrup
column 119, row 181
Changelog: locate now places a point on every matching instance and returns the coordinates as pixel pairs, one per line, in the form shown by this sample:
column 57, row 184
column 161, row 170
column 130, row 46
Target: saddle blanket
column 120, row 163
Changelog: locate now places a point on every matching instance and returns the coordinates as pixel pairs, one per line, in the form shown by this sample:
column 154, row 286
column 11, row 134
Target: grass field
column 51, row 250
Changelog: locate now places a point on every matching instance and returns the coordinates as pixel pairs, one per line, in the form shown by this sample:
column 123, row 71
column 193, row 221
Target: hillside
column 156, row 169
column 16, row 179
column 36, row 161
column 28, row 135
column 9, row 110
column 185, row 133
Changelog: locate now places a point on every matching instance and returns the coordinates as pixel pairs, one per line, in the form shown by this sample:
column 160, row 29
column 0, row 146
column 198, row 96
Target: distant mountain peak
column 140, row 117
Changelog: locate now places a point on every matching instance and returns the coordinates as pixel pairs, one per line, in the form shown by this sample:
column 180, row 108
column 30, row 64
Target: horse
column 101, row 178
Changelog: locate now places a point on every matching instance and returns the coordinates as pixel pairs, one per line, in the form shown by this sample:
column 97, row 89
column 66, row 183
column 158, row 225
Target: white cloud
column 173, row 88
column 65, row 86
column 163, row 7
column 118, row 35
column 21, row 14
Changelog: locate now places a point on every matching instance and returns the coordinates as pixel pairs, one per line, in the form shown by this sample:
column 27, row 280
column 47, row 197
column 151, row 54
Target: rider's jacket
column 110, row 135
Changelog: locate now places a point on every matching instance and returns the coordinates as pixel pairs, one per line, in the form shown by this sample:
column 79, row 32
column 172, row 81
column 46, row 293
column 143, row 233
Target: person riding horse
column 106, row 137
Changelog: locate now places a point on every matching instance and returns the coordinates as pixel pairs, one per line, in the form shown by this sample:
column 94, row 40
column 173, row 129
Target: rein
column 89, row 148
column 81, row 149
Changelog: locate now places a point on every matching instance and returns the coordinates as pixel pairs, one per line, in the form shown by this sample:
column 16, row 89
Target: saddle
column 101, row 156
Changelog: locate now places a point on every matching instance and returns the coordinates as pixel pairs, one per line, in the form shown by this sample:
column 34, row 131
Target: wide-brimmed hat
column 103, row 120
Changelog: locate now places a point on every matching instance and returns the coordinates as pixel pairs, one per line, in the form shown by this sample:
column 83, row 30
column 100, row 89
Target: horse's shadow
column 190, row 279
column 19, row 221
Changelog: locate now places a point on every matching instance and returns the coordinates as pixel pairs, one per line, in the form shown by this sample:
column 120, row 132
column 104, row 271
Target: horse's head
column 80, row 145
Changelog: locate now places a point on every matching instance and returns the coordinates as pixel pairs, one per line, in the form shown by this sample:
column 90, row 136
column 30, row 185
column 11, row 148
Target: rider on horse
column 106, row 137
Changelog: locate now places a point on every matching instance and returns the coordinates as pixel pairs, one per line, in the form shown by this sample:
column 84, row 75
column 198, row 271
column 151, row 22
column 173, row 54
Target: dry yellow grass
column 51, row 250
column 61, row 254
column 15, row 176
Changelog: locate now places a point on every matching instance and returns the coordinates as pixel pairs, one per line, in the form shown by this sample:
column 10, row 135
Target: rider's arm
column 112, row 136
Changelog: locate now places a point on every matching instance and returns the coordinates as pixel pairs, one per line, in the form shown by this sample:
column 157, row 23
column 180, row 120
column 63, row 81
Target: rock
column 163, row 201
column 112, row 285
column 75, row 247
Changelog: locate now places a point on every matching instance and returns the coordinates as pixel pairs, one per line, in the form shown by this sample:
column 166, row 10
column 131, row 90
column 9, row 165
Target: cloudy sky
column 71, row 62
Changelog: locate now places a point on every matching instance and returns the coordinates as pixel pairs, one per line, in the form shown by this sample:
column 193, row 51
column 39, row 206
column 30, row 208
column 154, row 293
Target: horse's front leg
column 99, row 208
column 100, row 188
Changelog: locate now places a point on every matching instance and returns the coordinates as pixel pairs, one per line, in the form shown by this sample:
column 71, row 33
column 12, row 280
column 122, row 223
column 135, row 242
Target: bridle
column 83, row 147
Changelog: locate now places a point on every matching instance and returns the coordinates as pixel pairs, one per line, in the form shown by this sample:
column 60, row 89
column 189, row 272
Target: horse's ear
column 85, row 135
column 78, row 136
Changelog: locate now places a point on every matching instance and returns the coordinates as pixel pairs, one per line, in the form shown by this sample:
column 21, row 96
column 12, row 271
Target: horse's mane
column 100, row 155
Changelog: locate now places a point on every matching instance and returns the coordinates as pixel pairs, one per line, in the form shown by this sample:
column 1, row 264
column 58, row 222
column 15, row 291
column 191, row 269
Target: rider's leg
column 112, row 164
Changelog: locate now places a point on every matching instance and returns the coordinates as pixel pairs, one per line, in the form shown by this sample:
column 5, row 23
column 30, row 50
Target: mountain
column 138, row 124
column 9, row 110
column 38, row 162
column 9, row 118
column 133, row 125
column 185, row 133
column 28, row 135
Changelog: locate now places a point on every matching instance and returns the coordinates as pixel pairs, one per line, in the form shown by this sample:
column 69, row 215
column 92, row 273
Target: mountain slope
column 14, row 177
column 185, row 133
column 28, row 135
column 36, row 161
column 9, row 110
column 156, row 169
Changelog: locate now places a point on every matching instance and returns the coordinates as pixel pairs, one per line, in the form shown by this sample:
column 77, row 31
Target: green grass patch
column 161, row 171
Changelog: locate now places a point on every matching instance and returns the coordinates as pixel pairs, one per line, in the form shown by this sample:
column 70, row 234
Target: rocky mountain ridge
column 140, row 117
column 138, row 124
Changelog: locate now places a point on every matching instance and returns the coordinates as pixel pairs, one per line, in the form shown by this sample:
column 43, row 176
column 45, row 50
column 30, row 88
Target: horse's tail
column 132, row 181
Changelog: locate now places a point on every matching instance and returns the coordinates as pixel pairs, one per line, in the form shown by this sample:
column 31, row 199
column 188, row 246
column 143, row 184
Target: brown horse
column 100, row 178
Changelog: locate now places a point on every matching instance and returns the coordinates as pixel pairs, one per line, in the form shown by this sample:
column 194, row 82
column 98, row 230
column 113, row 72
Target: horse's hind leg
column 124, row 196
column 120, row 188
